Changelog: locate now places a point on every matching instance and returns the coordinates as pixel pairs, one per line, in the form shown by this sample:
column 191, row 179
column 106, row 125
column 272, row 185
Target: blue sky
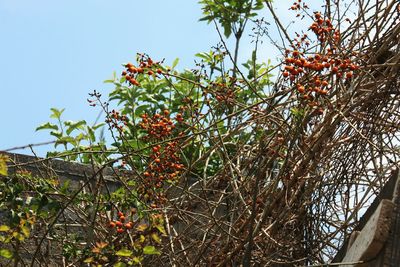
column 53, row 53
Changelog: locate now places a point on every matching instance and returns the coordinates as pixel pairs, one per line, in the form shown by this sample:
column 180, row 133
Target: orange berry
column 128, row 225
column 289, row 68
column 323, row 92
column 150, row 72
column 349, row 75
column 120, row 213
column 285, row 74
column 118, row 224
column 289, row 60
column 301, row 89
column 353, row 67
column 134, row 81
column 298, row 62
column 111, row 224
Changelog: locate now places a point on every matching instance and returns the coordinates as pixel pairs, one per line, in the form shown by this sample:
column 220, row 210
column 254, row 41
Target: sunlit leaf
column 120, row 264
column 175, row 62
column 56, row 113
column 25, row 230
column 156, row 237
column 4, row 228
column 124, row 253
column 47, row 125
column 74, row 125
column 3, row 165
column 5, row 253
column 89, row 260
column 150, row 250
column 142, row 227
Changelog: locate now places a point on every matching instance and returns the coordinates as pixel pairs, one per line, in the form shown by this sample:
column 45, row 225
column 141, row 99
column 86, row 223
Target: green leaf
column 161, row 229
column 18, row 236
column 120, row 264
column 25, row 230
column 96, row 126
column 73, row 125
column 5, row 253
column 57, row 134
column 176, row 61
column 205, row 56
column 3, row 165
column 137, row 260
column 47, row 125
column 156, row 237
column 56, row 113
column 150, row 250
column 89, row 260
column 4, row 228
column 227, row 29
column 124, row 253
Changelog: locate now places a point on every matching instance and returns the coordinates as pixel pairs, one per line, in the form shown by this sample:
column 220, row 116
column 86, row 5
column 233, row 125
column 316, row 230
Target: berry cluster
column 158, row 126
column 312, row 74
column 297, row 5
column 146, row 66
column 116, row 120
column 323, row 28
column 164, row 163
column 120, row 224
column 223, row 92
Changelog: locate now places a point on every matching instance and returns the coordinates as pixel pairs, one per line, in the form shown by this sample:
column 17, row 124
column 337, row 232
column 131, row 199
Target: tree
column 223, row 165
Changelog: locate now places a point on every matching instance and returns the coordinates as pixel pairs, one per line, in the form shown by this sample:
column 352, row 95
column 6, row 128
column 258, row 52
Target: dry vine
column 296, row 167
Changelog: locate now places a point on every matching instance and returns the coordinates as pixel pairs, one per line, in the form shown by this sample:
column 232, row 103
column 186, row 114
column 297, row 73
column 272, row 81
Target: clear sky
column 53, row 53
